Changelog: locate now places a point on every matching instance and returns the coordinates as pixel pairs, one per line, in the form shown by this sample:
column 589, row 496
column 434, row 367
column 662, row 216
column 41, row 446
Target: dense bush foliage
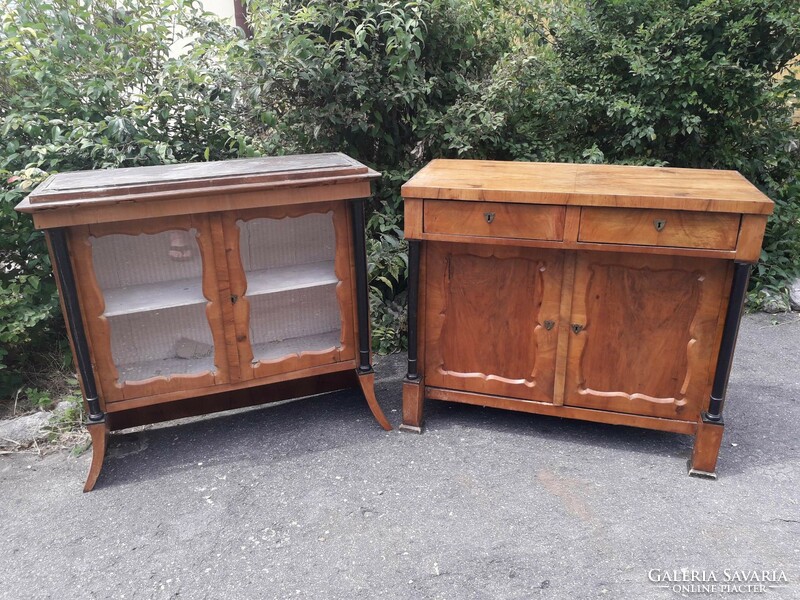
column 654, row 82
column 94, row 84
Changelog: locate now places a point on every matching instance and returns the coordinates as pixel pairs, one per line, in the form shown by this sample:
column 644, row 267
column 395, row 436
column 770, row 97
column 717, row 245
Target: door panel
column 290, row 282
column 486, row 312
column 647, row 333
column 151, row 305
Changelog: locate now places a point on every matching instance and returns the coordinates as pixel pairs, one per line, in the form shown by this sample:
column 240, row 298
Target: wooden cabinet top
column 141, row 192
column 588, row 185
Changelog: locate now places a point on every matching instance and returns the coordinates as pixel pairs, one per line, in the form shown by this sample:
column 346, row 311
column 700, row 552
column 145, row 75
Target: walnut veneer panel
column 494, row 220
column 682, row 229
column 647, row 334
column 490, row 315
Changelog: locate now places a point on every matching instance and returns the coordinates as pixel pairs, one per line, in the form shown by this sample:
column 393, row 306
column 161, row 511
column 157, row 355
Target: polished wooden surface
column 222, row 398
column 588, row 185
column 367, row 383
column 681, row 229
column 751, row 234
column 706, row 448
column 491, row 315
column 494, row 220
column 413, row 211
column 648, row 332
column 168, row 204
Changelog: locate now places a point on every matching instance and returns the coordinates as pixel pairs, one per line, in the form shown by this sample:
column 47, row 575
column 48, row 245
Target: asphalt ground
column 311, row 499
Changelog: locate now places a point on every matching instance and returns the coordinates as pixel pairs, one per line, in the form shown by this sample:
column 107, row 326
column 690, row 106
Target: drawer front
column 644, row 227
column 491, row 219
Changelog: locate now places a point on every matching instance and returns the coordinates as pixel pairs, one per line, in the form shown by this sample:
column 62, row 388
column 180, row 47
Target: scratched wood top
column 159, row 182
column 588, row 185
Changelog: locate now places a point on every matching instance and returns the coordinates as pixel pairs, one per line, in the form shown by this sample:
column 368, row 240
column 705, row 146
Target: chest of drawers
column 606, row 293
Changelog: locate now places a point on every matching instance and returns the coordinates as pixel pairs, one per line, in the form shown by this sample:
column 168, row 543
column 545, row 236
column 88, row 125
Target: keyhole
column 489, row 216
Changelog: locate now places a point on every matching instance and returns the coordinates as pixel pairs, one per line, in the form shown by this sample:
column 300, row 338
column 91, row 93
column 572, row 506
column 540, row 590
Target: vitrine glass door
column 149, row 308
column 290, row 286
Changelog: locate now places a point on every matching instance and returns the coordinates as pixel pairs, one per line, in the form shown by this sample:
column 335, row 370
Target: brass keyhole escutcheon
column 576, row 328
column 489, row 216
column 660, row 224
column 548, row 325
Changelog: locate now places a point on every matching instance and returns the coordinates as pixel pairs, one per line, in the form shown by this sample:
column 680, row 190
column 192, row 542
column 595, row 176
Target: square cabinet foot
column 413, row 404
column 707, row 442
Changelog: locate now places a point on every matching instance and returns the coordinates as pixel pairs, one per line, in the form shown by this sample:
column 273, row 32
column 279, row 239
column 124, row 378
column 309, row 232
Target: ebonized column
column 413, row 302
column 69, row 296
column 733, row 316
column 362, row 293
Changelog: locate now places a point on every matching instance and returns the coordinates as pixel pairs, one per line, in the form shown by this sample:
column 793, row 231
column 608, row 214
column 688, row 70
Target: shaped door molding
column 644, row 333
column 492, row 319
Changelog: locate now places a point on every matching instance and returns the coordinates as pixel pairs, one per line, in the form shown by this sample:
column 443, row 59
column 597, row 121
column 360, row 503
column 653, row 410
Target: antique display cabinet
column 190, row 289
column 606, row 293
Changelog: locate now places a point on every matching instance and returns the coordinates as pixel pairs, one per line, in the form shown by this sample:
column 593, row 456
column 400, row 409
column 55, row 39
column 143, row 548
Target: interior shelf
column 293, row 277
column 308, row 343
column 186, row 292
column 153, row 296
column 165, row 367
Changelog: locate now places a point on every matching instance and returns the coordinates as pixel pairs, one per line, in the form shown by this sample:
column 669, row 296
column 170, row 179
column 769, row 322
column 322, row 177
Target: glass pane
column 154, row 303
column 291, row 285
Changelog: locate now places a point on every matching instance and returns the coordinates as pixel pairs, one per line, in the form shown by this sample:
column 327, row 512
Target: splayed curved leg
column 367, row 383
column 99, row 433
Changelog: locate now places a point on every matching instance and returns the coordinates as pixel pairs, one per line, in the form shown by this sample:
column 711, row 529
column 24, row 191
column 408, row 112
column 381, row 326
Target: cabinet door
column 648, row 333
column 491, row 319
column 291, row 286
column 151, row 305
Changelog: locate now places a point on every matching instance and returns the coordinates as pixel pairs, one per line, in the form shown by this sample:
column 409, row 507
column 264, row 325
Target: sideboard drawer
column 493, row 219
column 645, row 227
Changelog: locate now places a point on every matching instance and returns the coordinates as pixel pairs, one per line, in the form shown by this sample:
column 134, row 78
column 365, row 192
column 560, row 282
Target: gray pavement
column 311, row 499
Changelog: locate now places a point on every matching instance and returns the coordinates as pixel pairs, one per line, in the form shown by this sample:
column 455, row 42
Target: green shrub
column 685, row 83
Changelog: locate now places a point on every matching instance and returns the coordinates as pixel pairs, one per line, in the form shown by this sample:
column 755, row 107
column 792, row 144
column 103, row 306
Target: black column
column 69, row 293
column 413, row 302
column 741, row 275
column 362, row 293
